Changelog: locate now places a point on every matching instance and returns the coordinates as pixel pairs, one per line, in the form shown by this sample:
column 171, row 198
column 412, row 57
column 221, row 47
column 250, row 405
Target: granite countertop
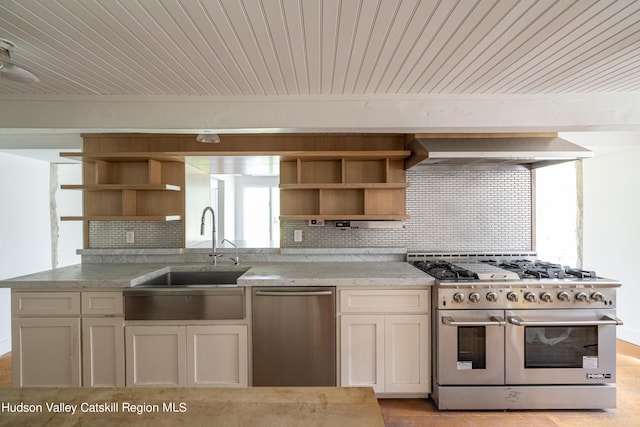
column 260, row 406
column 93, row 276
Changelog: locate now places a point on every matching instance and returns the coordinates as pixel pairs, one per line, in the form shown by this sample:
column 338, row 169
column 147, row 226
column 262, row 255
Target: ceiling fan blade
column 15, row 73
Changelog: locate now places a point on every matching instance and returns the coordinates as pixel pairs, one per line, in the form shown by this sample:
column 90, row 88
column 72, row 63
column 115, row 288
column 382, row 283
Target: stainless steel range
column 516, row 333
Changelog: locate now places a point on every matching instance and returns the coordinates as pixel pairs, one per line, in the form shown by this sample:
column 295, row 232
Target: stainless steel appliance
column 187, row 295
column 521, row 334
column 506, row 152
column 294, row 336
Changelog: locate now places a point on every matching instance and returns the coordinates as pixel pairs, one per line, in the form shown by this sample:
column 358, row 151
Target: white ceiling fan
column 10, row 71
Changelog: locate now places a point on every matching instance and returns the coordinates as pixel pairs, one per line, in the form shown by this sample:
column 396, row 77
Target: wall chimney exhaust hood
column 495, row 151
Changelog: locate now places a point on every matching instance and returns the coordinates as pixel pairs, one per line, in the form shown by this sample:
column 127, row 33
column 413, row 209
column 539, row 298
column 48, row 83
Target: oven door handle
column 495, row 321
column 605, row 320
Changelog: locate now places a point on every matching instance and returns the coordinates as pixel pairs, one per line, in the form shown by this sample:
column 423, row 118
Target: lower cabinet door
column 103, row 352
column 406, row 354
column 156, row 355
column 217, row 356
column 362, row 352
column 46, row 352
column 387, row 352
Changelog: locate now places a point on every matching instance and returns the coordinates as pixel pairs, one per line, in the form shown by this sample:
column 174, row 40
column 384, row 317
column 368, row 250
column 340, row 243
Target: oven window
column 561, row 347
column 472, row 347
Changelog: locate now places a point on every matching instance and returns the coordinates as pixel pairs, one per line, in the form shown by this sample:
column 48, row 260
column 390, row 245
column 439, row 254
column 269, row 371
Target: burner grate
column 527, row 269
column 443, row 270
column 583, row 274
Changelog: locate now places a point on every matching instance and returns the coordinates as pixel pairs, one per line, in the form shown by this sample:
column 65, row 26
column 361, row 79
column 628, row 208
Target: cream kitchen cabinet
column 102, row 339
column 46, row 352
column 67, row 339
column 384, row 340
column 103, row 351
column 193, row 355
column 156, row 355
column 217, row 356
column 46, row 339
column 362, row 351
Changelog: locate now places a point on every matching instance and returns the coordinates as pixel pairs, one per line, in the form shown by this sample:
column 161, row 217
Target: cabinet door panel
column 406, row 354
column 362, row 351
column 156, row 355
column 46, row 352
column 217, row 356
column 103, row 352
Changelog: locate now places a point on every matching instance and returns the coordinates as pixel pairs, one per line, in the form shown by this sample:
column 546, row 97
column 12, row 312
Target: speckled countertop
column 260, row 274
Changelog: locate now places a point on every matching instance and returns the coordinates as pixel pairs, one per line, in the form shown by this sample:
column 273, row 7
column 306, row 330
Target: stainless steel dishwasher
column 294, row 336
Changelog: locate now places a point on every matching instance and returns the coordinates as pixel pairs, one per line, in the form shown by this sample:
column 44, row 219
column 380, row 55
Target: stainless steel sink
column 187, row 295
column 194, row 278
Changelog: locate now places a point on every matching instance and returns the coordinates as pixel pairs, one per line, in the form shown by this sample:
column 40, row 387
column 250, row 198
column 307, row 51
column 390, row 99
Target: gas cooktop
column 506, row 271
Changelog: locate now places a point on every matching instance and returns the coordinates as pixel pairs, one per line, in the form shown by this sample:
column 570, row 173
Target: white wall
column 612, row 229
column 68, row 203
column 25, row 236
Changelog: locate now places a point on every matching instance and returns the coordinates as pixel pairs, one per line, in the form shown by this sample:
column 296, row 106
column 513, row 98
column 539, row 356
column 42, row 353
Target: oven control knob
column 492, row 297
column 563, row 296
column 512, row 296
column 531, row 297
column 582, row 297
column 545, row 297
column 474, row 297
column 597, row 296
column 458, row 297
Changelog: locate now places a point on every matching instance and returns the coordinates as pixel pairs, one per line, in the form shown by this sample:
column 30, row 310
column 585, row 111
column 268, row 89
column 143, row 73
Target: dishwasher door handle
column 293, row 293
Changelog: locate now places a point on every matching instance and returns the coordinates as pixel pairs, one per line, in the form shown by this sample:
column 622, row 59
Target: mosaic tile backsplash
column 450, row 211
column 147, row 234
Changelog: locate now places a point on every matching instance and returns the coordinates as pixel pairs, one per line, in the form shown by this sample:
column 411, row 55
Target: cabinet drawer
column 384, row 301
column 102, row 303
column 45, row 303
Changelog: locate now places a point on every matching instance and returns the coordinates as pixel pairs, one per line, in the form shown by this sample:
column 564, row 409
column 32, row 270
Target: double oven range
column 516, row 333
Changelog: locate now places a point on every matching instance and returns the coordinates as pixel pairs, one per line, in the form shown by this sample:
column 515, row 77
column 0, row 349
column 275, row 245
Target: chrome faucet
column 236, row 259
column 213, row 233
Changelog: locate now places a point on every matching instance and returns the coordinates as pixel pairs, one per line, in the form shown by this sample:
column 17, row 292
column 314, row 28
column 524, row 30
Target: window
column 257, row 211
column 557, row 214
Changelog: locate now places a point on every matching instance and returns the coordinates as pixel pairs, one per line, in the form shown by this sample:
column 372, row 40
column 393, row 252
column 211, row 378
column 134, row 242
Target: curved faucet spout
column 214, row 256
column 236, row 260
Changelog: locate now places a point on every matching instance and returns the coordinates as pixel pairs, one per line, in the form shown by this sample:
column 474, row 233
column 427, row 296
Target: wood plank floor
column 422, row 412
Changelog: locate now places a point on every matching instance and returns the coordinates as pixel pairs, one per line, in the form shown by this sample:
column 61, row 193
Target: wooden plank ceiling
column 321, row 47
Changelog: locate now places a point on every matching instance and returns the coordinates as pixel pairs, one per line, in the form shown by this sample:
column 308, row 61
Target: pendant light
column 208, row 138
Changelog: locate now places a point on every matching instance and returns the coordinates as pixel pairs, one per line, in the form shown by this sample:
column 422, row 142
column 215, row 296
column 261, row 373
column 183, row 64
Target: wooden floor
column 422, row 412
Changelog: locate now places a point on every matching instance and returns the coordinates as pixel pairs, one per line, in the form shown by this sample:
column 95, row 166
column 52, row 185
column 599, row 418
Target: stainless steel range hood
column 492, row 152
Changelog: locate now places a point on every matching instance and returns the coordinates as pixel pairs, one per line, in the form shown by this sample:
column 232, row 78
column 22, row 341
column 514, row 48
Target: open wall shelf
column 130, row 189
column 359, row 185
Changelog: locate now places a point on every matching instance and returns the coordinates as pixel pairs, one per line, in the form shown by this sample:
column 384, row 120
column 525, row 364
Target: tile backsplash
column 450, row 211
column 147, row 234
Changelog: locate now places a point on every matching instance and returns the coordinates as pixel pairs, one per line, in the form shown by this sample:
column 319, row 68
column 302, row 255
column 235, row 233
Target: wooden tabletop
column 235, row 407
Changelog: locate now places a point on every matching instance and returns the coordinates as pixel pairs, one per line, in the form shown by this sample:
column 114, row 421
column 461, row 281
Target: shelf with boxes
column 367, row 185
